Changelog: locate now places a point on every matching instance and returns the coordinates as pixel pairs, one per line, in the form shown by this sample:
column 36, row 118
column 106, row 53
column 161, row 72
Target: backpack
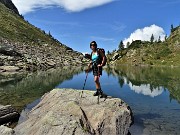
column 100, row 57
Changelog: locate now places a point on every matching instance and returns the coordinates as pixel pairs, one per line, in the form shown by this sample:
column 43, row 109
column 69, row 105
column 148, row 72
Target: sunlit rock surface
column 62, row 111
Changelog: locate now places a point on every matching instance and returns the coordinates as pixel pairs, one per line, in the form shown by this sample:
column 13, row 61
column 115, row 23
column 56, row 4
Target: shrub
column 165, row 52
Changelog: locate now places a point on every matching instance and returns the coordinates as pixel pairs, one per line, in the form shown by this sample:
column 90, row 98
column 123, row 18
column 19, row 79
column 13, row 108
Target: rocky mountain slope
column 26, row 47
column 158, row 53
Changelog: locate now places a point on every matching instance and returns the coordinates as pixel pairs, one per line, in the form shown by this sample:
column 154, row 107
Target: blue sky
column 77, row 22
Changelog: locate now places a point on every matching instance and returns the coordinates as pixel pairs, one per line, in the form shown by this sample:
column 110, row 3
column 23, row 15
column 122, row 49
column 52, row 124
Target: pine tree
column 49, row 34
column 152, row 38
column 159, row 40
column 128, row 44
column 121, row 45
column 172, row 28
column 121, row 82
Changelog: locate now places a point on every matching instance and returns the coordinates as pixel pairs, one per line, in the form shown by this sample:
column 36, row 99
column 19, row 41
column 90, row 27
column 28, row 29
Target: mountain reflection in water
column 150, row 81
column 21, row 89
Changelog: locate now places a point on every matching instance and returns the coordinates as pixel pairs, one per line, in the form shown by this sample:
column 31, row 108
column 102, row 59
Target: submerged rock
column 62, row 111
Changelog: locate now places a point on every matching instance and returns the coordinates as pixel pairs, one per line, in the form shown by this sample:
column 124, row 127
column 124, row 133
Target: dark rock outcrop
column 62, row 111
column 9, row 4
column 8, row 114
column 8, row 50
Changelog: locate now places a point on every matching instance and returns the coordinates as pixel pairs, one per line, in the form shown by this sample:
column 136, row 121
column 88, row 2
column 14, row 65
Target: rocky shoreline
column 62, row 111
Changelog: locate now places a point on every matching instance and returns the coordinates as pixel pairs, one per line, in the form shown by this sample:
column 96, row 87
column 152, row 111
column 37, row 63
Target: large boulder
column 62, row 111
column 8, row 50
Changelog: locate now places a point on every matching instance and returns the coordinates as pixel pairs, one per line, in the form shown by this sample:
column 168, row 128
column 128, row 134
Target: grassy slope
column 162, row 53
column 40, row 47
column 16, row 29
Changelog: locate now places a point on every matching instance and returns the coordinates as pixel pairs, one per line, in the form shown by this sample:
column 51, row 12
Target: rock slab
column 63, row 112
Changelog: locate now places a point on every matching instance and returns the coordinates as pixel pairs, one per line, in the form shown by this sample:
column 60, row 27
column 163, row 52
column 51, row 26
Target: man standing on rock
column 98, row 59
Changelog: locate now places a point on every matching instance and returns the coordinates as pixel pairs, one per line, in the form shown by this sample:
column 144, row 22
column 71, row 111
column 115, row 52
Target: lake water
column 153, row 93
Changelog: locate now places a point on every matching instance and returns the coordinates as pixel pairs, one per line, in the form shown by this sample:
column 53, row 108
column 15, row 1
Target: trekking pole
column 85, row 81
column 99, row 77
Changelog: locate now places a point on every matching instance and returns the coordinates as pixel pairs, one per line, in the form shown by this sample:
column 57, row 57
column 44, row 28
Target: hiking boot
column 96, row 93
column 102, row 95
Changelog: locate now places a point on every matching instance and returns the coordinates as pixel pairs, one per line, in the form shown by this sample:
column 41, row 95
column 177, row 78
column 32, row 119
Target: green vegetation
column 158, row 53
column 14, row 28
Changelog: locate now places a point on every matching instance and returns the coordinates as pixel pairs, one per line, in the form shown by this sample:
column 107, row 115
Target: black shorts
column 97, row 71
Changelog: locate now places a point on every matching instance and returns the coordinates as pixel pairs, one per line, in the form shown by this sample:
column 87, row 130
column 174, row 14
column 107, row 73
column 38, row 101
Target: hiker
column 97, row 64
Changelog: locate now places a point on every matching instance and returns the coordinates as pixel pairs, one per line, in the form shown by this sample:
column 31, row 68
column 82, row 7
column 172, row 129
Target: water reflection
column 154, row 96
column 150, row 81
column 21, row 89
column 146, row 90
column 153, row 93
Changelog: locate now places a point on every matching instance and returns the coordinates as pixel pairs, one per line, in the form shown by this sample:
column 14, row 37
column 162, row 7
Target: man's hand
column 89, row 69
column 99, row 65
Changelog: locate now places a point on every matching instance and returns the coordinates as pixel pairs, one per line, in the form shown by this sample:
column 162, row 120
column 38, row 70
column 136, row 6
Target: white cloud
column 118, row 27
column 146, row 90
column 102, row 38
column 25, row 6
column 145, row 33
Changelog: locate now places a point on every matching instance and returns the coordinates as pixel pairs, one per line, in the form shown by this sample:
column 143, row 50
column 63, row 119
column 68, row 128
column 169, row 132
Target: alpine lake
column 153, row 93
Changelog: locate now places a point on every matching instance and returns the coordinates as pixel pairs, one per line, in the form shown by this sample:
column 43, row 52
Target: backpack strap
column 99, row 52
column 91, row 54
